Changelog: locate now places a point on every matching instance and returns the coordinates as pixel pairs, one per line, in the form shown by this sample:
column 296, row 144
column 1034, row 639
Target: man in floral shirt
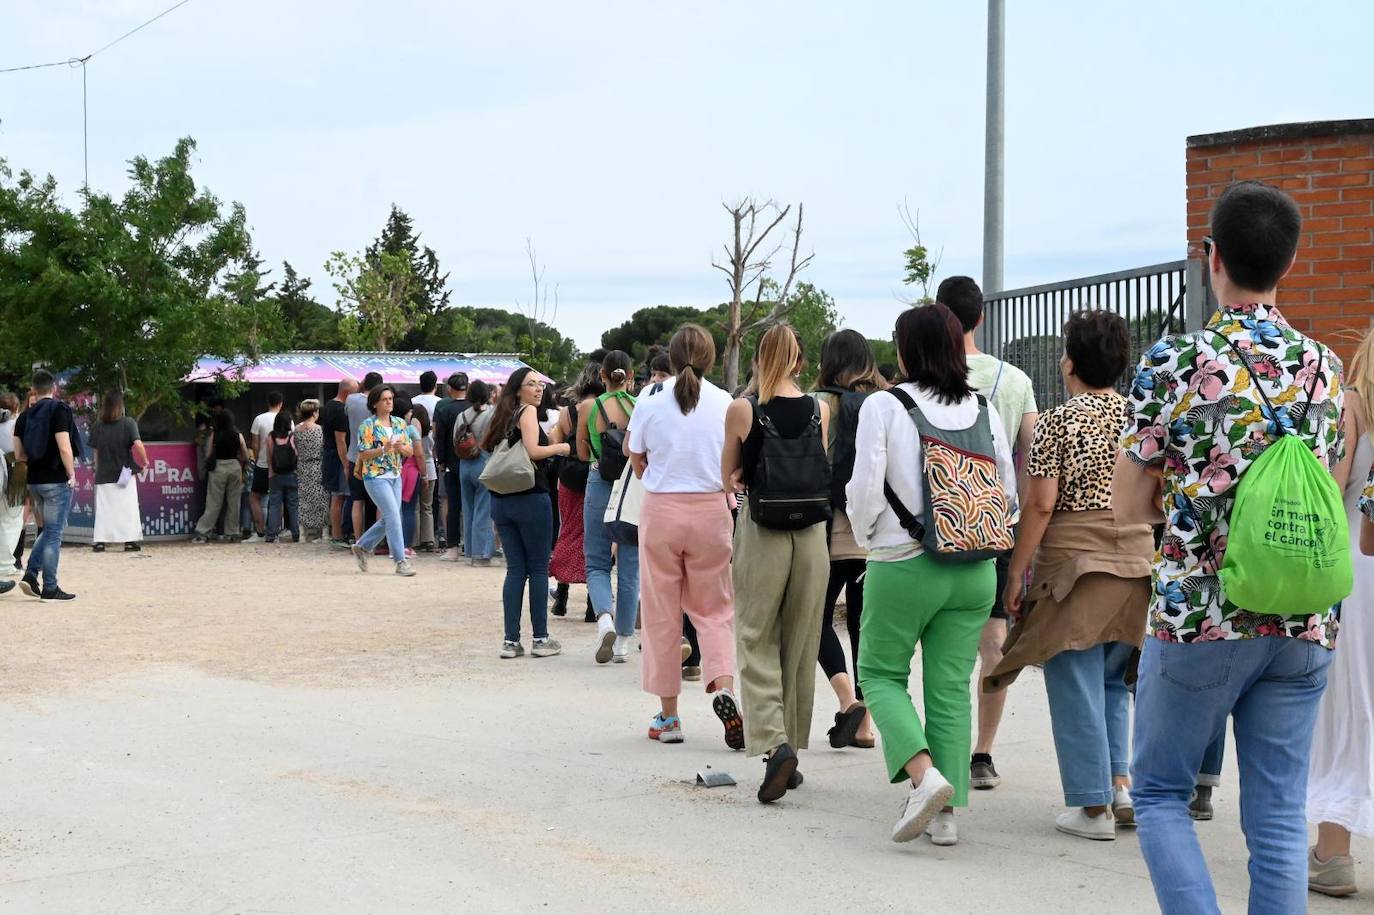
column 1197, row 423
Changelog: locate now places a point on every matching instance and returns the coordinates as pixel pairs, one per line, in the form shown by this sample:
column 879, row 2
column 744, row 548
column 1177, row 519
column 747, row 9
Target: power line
column 56, row 63
column 73, row 61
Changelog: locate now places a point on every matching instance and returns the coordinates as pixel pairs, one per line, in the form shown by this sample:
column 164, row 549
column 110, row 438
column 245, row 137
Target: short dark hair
column 375, row 394
column 479, row 393
column 400, row 404
column 274, row 399
column 1099, row 345
column 458, row 381
column 428, row 381
column 661, row 363
column 371, row 380
column 961, row 295
column 42, row 381
column 930, row 340
column 1255, row 227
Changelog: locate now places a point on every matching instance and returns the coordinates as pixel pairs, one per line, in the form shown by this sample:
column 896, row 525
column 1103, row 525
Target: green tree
column 129, row 293
column 428, row 290
column 309, row 324
column 920, row 263
column 377, row 303
column 649, row 327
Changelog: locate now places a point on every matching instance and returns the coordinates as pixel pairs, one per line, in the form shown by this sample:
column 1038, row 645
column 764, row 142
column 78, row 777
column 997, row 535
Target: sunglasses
column 1207, row 245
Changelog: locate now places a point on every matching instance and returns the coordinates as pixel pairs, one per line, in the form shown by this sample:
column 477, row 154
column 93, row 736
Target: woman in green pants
column 910, row 597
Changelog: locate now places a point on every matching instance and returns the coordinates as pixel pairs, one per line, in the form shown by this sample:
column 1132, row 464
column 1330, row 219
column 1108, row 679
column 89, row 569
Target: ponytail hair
column 691, row 354
column 778, row 357
column 616, row 368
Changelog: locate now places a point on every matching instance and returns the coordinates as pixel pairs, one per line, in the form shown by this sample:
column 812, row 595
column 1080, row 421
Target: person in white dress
column 1340, row 782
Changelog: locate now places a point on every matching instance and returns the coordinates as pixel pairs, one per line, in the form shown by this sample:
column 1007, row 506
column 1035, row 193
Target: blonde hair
column 778, row 357
column 1360, row 379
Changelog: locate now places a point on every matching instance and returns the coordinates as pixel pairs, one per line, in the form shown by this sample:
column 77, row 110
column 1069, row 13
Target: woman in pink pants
column 675, row 442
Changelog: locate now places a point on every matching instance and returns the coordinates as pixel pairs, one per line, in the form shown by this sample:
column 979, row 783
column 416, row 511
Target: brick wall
column 1328, row 167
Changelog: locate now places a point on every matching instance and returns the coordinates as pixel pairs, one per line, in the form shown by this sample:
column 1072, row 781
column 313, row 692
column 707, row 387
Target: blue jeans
column 526, row 527
column 52, row 502
column 386, row 494
column 598, row 547
column 1210, row 773
column 1270, row 686
column 475, row 512
column 1090, row 715
column 408, row 517
column 454, row 528
column 283, row 493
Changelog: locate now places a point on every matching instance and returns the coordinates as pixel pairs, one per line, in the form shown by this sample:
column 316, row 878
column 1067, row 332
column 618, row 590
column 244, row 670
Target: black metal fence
column 1022, row 326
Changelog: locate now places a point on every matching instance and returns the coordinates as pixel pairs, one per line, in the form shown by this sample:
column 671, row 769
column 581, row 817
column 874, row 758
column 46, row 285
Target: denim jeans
column 476, row 511
column 51, row 502
column 598, row 548
column 1210, row 773
column 1090, row 715
column 410, row 517
column 457, row 502
column 526, row 527
column 1270, row 686
column 283, row 494
column 386, row 494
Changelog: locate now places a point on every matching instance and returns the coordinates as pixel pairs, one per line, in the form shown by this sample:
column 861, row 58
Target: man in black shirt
column 445, row 416
column 46, row 436
column 334, row 469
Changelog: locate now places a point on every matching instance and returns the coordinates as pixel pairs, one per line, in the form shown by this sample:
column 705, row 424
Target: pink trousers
column 684, row 566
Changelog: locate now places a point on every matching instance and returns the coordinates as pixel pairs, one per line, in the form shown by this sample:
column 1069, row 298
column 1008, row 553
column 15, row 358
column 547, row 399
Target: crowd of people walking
column 1189, row 548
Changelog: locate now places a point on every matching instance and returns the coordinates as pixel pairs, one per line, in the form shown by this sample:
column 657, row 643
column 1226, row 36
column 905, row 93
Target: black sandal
column 847, row 724
column 132, row 547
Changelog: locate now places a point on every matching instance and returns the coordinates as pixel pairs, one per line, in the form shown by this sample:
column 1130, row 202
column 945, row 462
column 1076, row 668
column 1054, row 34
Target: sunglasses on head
column 1207, row 245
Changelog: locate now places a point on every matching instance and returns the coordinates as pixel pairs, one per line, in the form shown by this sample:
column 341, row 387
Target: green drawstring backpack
column 1288, row 551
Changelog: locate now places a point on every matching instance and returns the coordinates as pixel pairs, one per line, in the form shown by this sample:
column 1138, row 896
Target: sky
column 610, row 133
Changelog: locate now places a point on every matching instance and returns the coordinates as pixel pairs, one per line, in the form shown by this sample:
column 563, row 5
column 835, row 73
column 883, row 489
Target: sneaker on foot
column 6, row 586
column 512, row 650
column 686, row 649
column 57, row 594
column 692, row 674
column 339, row 544
column 620, row 651
column 200, row 538
column 666, row 730
column 450, row 555
column 361, row 555
column 405, row 569
column 1076, row 822
column 1333, row 877
column 482, row 561
column 29, row 585
column 605, row 638
column 942, row 830
column 982, row 774
column 252, row 538
column 545, row 648
column 1123, row 808
column 727, row 710
column 779, row 767
column 921, row 804
column 1200, row 804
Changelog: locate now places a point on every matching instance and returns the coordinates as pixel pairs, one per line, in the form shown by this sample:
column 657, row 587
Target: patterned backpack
column 967, row 513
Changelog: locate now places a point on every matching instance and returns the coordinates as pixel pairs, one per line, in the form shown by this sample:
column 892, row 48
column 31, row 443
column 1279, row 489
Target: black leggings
column 845, row 574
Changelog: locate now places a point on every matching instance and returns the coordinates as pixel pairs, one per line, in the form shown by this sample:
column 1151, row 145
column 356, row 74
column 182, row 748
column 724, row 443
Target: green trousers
column 942, row 607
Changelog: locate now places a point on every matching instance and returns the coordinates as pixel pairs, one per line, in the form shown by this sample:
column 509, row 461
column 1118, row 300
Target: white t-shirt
column 888, row 447
column 683, row 451
column 260, row 430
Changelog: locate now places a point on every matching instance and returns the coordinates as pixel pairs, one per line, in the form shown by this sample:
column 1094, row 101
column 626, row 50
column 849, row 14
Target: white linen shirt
column 887, row 447
column 683, row 451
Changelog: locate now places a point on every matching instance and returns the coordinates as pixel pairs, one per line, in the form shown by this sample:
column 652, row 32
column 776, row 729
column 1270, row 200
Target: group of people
column 1090, row 540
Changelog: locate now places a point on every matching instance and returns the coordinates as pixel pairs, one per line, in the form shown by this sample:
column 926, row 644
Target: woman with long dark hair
column 523, row 519
column 847, row 376
column 912, row 597
column 226, row 454
column 119, row 457
column 569, row 563
column 283, row 485
column 470, row 428
column 615, row 617
column 674, row 443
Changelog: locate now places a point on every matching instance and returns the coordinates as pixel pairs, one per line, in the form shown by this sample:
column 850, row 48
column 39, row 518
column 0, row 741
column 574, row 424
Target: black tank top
column 790, row 415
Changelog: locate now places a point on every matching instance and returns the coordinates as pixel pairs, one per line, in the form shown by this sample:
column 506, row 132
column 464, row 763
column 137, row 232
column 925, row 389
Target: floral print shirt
column 373, row 433
column 1195, row 410
column 1366, row 503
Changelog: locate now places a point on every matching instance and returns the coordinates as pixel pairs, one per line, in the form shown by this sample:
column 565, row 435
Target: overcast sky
column 610, row 132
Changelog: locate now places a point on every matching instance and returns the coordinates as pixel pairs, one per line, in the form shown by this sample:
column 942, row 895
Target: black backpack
column 844, row 427
column 283, row 455
column 790, row 488
column 611, row 463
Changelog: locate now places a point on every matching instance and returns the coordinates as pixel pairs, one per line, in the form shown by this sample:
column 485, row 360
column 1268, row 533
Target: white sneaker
column 450, row 555
column 620, row 652
column 922, row 803
column 942, row 830
column 252, row 538
column 360, row 555
column 1123, row 808
column 1077, row 823
column 545, row 648
column 605, row 638
column 405, row 569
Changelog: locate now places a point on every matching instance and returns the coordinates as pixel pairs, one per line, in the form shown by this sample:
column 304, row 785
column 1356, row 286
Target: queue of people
column 1112, row 541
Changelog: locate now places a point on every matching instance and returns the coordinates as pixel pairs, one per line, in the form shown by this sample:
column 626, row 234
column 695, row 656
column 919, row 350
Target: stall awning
column 330, row 367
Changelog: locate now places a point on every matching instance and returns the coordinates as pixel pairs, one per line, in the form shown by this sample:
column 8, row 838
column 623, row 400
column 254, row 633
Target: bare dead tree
column 537, row 310
column 921, row 267
column 748, row 260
